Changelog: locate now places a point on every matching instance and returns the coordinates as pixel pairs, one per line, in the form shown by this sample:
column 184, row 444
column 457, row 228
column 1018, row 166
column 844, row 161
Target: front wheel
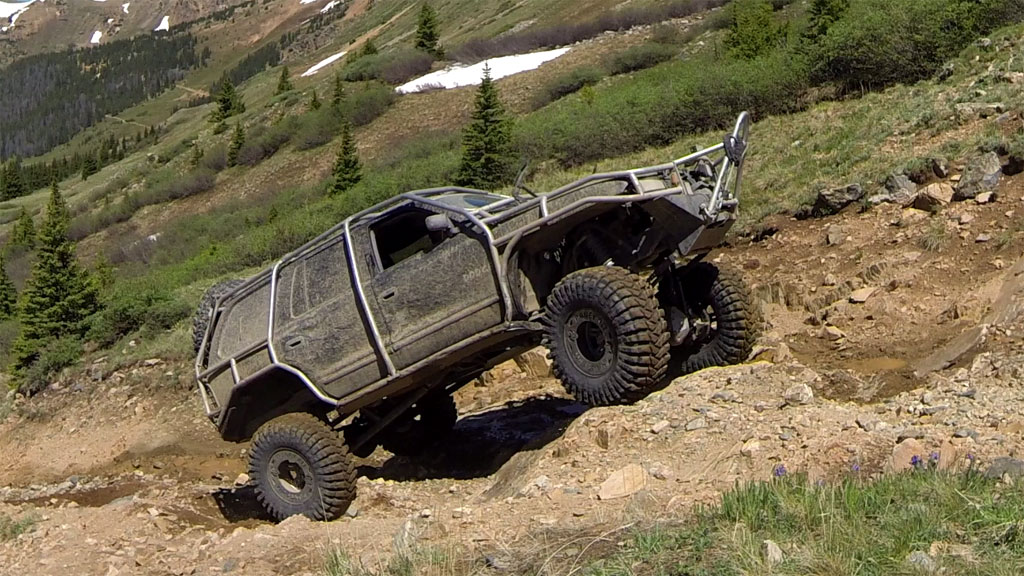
column 302, row 467
column 607, row 335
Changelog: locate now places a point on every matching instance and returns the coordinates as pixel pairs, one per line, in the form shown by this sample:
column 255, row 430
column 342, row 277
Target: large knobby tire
column 202, row 318
column 607, row 336
column 302, row 467
column 429, row 420
column 724, row 294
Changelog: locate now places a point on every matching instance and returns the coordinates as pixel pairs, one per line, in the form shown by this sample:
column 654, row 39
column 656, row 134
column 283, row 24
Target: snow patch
column 307, row 1
column 459, row 75
column 110, row 20
column 323, row 63
column 125, row 6
column 9, row 9
column 164, row 26
column 329, row 6
column 96, row 37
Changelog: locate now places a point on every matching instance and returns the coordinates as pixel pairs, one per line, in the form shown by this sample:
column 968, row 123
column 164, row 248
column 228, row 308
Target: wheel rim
column 590, row 341
column 290, row 474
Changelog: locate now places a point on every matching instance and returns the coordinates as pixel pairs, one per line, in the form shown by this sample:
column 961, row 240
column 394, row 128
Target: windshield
column 471, row 201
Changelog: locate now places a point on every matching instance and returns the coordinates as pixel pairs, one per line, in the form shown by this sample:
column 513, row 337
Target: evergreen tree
column 197, row 155
column 229, row 102
column 13, row 184
column 347, row 169
column 8, row 293
column 89, row 167
column 752, row 30
column 24, row 233
column 284, row 84
column 427, row 34
column 487, row 141
column 338, row 98
column 314, row 102
column 59, row 295
column 369, row 49
column 237, row 141
column 822, row 14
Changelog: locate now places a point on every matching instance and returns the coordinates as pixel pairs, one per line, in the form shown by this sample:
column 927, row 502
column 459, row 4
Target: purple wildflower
column 934, row 456
column 856, row 468
column 779, row 471
column 915, row 461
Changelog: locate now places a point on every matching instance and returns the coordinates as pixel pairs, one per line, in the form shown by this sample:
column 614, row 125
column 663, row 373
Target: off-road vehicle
column 360, row 337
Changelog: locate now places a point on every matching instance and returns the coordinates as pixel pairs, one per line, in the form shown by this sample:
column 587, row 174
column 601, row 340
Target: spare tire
column 201, row 321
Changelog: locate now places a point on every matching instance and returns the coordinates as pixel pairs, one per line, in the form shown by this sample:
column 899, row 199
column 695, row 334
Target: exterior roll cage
column 725, row 161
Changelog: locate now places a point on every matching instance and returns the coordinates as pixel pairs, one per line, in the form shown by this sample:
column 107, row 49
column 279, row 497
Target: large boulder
column 967, row 111
column 900, row 187
column 982, row 175
column 834, row 200
column 932, row 197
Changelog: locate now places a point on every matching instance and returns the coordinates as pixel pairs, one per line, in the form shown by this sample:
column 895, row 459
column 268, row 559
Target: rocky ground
column 889, row 334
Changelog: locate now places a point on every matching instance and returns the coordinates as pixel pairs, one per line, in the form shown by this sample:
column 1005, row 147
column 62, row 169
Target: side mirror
column 439, row 223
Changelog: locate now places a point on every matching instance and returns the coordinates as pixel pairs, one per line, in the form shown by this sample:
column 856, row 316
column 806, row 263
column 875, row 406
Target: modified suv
column 360, row 337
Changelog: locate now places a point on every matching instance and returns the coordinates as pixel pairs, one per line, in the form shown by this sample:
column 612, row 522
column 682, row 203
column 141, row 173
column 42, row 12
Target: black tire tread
column 333, row 466
column 738, row 317
column 201, row 320
column 643, row 337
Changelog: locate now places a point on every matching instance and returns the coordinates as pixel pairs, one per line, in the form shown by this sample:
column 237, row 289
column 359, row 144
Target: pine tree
column 8, row 293
column 487, row 141
column 284, row 84
column 347, row 169
column 229, row 103
column 369, row 49
column 89, row 167
column 822, row 14
column 752, row 30
column 338, row 97
column 197, row 155
column 13, row 183
column 427, row 34
column 24, row 233
column 59, row 294
column 237, row 141
column 314, row 102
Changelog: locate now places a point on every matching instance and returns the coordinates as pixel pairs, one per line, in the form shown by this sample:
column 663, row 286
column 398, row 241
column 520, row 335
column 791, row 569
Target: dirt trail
column 122, row 475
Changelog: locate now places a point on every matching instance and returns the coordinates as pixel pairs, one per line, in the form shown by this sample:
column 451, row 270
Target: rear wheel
column 607, row 335
column 201, row 321
column 724, row 319
column 302, row 467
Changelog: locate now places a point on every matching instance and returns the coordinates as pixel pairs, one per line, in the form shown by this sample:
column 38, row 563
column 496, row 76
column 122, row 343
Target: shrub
column 569, row 83
column 133, row 307
column 752, row 31
column 657, row 106
column 394, row 67
column 366, row 105
column 53, row 357
column 215, row 159
column 877, row 43
column 264, row 143
column 173, row 187
column 317, row 128
column 641, row 57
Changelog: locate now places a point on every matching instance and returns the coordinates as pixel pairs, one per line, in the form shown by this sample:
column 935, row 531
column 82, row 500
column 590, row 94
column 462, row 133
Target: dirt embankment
column 122, row 475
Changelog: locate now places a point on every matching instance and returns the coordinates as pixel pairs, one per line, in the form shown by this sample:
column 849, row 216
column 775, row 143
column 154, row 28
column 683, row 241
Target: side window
column 404, row 235
column 319, row 278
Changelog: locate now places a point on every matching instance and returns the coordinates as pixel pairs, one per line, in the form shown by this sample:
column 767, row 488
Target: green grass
column 970, row 525
column 11, row 528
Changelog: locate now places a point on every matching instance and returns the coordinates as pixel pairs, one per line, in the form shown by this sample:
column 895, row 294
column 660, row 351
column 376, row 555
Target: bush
column 133, row 307
column 162, row 188
column 877, row 43
column 54, row 356
column 569, row 83
column 641, row 57
column 317, row 128
column 215, row 159
column 369, row 103
column 657, row 106
column 394, row 67
column 264, row 143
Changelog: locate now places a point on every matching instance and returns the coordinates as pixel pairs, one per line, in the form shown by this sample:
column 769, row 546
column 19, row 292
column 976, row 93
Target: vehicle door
column 434, row 288
column 318, row 326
